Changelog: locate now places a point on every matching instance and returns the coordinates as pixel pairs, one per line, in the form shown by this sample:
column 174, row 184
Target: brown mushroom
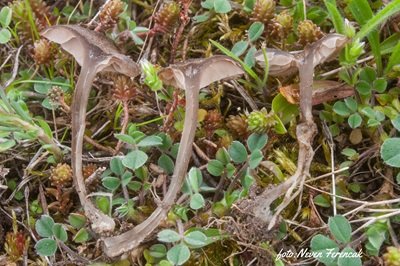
column 283, row 63
column 304, row 61
column 94, row 53
column 190, row 76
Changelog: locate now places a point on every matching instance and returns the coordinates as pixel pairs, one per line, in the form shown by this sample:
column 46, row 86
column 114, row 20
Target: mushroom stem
column 114, row 246
column 100, row 221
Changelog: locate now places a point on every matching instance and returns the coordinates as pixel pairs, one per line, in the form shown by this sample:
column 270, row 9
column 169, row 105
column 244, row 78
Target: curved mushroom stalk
column 191, row 77
column 323, row 50
column 94, row 53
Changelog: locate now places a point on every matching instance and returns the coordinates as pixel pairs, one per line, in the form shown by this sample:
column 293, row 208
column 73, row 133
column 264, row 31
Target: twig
column 98, row 13
column 125, row 122
column 184, row 18
column 244, row 94
column 331, row 144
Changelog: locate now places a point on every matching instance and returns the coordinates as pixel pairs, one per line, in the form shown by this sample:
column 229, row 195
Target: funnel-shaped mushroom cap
column 199, row 73
column 327, row 48
column 283, row 63
column 81, row 42
column 280, row 63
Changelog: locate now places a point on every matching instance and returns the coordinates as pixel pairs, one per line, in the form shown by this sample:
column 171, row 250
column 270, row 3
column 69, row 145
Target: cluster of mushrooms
column 95, row 53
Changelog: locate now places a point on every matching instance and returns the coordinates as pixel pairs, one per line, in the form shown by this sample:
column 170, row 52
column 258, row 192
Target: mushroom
column 189, row 76
column 94, row 53
column 284, row 63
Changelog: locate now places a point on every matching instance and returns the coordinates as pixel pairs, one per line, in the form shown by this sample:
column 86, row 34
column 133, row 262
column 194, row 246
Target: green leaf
column 222, row 6
column 42, row 88
column 322, row 201
column 230, row 170
column 81, row 236
column 111, row 183
column 354, row 120
column 179, row 254
column 255, row 159
column 5, row 36
column 7, row 144
column 46, row 247
column 362, row 12
column 134, row 185
column 196, row 239
column 384, row 14
column 197, row 201
column 368, row 74
column 250, row 59
column 322, row 245
column 349, row 152
column 340, row 228
column 44, row 226
column 390, row 152
column 126, row 138
column 158, row 251
column 380, row 85
column 126, row 178
column 166, row 163
column 248, row 69
column 341, row 109
column 396, row 123
column 394, row 58
column 248, row 5
column 5, row 16
column 376, row 236
column 238, row 152
column 283, row 109
column 59, row 232
column 215, row 167
column 239, row 48
column 77, row 220
column 195, row 179
column 348, row 257
column 103, row 204
column 255, row 31
column 351, row 104
column 116, row 166
column 150, row 141
column 335, row 16
column 168, row 236
column 257, row 141
column 222, row 155
column 135, row 159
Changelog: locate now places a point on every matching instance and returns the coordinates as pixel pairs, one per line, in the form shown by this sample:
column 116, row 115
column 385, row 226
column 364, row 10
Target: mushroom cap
column 280, row 63
column 327, row 48
column 200, row 72
column 283, row 63
column 81, row 42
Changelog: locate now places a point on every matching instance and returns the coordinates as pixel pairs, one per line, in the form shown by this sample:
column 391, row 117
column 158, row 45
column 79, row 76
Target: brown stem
column 178, row 35
column 100, row 221
column 125, row 122
column 114, row 246
column 305, row 133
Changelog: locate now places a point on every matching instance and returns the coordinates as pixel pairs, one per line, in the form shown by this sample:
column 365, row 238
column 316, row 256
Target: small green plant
column 182, row 243
column 151, row 78
column 224, row 165
column 51, row 233
column 327, row 250
column 193, row 186
column 78, row 222
column 45, row 87
column 5, row 20
column 219, row 6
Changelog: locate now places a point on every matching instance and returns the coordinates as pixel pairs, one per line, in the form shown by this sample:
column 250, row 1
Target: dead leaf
column 323, row 91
